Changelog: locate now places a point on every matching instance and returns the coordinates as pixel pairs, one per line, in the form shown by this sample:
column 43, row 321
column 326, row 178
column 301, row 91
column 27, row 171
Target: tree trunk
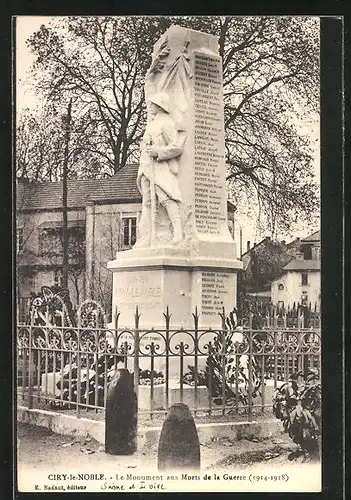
column 64, row 199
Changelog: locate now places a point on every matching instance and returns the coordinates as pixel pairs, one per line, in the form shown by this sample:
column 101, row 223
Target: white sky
column 27, row 25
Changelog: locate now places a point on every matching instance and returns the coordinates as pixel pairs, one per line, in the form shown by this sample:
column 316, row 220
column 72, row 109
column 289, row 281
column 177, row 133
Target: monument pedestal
column 181, row 278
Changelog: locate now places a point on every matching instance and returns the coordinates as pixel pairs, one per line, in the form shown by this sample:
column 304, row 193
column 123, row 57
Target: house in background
column 300, row 280
column 263, row 263
column 281, row 274
column 103, row 217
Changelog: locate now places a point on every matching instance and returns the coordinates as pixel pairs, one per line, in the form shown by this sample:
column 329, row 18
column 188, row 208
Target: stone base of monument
column 49, row 383
column 178, row 278
column 268, row 392
column 174, row 396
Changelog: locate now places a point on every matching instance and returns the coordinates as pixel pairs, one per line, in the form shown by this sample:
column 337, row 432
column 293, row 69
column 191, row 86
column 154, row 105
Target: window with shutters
column 304, row 279
column 129, row 231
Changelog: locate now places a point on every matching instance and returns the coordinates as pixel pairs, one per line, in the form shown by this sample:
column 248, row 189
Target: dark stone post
column 179, row 446
column 121, row 416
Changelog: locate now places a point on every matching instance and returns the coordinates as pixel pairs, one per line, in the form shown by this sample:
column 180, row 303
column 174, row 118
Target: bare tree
column 271, row 87
column 39, row 146
column 96, row 63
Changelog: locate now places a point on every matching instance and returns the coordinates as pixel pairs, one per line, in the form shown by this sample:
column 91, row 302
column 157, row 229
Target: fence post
column 79, row 362
column 136, row 352
column 196, row 347
column 210, row 377
column 250, row 319
column 152, row 369
column 275, row 318
column 167, row 315
column 181, row 370
column 285, row 322
column 223, row 357
column 115, row 337
column 30, row 365
column 250, row 376
column 300, row 317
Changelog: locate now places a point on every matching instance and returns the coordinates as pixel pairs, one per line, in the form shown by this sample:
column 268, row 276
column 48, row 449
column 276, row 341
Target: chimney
column 248, row 246
column 300, row 256
column 283, row 242
column 268, row 238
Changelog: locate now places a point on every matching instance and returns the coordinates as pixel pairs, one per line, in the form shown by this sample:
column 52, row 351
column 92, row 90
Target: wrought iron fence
column 215, row 372
column 23, row 308
column 267, row 316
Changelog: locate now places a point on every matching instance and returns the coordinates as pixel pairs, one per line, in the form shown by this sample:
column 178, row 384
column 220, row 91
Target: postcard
column 168, row 254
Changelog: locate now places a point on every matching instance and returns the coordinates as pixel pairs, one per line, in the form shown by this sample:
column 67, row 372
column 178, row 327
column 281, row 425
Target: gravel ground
column 41, row 448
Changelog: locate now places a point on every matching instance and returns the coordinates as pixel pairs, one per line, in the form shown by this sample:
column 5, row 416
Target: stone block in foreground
column 179, row 446
column 121, row 415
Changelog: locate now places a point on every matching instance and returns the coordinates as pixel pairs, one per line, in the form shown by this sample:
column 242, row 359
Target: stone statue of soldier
column 158, row 170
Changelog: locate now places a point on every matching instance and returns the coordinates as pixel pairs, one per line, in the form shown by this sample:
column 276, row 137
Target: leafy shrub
column 145, row 377
column 298, row 406
column 189, row 376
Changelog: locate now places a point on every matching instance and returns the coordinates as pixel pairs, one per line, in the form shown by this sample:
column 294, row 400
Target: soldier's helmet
column 162, row 100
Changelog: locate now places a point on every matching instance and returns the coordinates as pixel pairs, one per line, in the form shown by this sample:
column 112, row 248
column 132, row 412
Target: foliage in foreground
column 234, row 376
column 298, row 406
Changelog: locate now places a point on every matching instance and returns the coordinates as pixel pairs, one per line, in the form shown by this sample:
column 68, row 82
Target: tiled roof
column 249, row 251
column 294, row 243
column 303, row 265
column 316, row 236
column 48, row 195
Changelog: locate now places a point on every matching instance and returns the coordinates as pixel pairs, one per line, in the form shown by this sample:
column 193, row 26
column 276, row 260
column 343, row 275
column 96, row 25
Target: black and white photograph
column 168, row 254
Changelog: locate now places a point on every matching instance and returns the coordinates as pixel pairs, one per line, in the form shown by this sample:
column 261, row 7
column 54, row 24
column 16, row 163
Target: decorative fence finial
column 137, row 317
column 167, row 315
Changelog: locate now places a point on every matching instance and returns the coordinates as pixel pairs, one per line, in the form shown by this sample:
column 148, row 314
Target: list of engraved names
column 214, row 292
column 209, row 150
